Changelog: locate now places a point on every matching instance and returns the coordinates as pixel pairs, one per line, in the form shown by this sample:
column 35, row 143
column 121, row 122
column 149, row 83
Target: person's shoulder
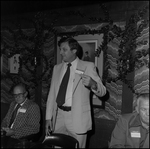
column 129, row 116
column 57, row 66
column 32, row 103
column 12, row 103
column 87, row 63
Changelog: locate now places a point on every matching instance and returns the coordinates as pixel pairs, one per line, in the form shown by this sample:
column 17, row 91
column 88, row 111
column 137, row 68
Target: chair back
column 61, row 140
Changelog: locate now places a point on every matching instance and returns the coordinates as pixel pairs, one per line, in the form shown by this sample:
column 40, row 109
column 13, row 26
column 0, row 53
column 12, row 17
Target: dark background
column 16, row 7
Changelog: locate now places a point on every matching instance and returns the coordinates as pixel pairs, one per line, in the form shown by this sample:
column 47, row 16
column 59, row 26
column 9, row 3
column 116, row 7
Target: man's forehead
column 144, row 102
column 19, row 89
column 64, row 44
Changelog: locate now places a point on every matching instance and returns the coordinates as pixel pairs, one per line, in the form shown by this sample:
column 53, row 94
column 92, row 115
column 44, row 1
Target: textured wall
column 26, row 75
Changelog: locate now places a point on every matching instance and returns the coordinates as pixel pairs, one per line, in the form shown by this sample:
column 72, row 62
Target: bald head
column 20, row 93
column 20, row 88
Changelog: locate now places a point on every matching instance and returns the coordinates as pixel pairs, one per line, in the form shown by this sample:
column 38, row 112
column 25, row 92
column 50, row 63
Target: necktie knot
column 69, row 64
column 18, row 106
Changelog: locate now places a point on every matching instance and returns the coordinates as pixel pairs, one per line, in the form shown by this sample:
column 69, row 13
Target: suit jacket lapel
column 81, row 67
column 59, row 76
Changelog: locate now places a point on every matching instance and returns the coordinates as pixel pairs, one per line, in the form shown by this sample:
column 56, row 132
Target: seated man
column 132, row 130
column 23, row 116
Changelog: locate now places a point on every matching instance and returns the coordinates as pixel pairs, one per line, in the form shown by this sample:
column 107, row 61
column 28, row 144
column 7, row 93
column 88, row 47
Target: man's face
column 19, row 94
column 143, row 110
column 67, row 54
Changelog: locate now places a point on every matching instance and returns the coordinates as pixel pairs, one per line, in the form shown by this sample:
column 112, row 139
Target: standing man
column 132, row 130
column 23, row 117
column 73, row 115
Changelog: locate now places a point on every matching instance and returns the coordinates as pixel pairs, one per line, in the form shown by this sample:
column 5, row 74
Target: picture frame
column 14, row 64
column 92, row 42
column 89, row 47
column 97, row 40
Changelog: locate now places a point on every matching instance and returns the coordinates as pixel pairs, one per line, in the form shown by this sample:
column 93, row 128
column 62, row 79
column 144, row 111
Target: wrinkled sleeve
column 118, row 136
column 101, row 89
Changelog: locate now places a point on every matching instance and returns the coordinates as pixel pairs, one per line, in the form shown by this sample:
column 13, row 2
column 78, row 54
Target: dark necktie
column 63, row 87
column 14, row 114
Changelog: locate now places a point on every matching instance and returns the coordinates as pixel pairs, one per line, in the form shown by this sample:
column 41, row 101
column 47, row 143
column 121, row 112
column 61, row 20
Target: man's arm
column 118, row 136
column 5, row 120
column 93, row 81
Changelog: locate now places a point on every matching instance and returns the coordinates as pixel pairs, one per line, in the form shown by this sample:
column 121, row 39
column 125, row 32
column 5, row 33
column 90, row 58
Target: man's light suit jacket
column 81, row 109
column 27, row 121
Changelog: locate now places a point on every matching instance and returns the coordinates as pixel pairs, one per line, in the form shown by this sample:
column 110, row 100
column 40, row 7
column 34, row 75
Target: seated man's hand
column 9, row 131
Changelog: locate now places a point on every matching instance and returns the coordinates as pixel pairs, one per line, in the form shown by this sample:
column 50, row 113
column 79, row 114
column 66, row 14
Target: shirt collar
column 136, row 122
column 73, row 63
column 23, row 102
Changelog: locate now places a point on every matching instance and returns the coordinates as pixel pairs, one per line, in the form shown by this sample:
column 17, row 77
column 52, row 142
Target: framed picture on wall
column 89, row 47
column 89, row 44
column 14, row 64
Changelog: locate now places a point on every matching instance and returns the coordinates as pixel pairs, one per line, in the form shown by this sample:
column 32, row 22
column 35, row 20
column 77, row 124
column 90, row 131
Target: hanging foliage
column 31, row 56
column 129, row 59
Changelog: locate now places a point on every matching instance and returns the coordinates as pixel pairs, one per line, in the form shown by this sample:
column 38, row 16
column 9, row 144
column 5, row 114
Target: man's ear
column 137, row 109
column 74, row 51
column 26, row 93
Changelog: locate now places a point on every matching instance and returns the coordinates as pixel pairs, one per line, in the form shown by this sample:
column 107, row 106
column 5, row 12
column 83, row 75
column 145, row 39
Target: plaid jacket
column 27, row 121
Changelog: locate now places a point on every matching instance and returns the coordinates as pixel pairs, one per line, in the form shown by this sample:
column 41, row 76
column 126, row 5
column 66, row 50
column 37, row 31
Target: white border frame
column 99, row 39
column 14, row 67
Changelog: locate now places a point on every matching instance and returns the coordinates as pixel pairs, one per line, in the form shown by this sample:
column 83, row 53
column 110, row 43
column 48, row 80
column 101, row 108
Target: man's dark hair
column 73, row 44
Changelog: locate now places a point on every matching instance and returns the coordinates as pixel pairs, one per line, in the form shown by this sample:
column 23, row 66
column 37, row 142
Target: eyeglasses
column 18, row 95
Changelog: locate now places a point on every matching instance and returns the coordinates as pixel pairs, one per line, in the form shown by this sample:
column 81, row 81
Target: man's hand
column 9, row 131
column 88, row 81
column 48, row 127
